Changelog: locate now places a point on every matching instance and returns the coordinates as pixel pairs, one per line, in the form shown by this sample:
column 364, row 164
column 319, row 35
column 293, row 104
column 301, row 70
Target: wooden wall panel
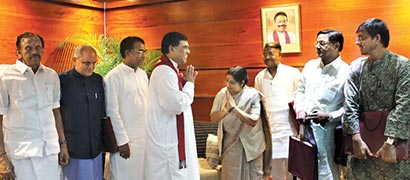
column 52, row 21
column 222, row 33
column 228, row 32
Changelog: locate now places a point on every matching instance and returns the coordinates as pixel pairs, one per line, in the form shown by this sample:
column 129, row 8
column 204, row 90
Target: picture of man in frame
column 281, row 35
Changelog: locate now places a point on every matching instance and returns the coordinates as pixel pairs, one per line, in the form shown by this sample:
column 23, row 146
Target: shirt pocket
column 47, row 94
column 328, row 95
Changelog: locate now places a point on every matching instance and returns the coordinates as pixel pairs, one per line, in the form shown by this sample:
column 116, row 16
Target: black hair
column 273, row 45
column 128, row 44
column 27, row 35
column 375, row 26
column 239, row 74
column 334, row 37
column 171, row 39
column 280, row 13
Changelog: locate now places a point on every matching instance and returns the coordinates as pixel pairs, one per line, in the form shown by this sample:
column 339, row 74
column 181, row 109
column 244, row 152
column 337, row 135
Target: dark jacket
column 82, row 107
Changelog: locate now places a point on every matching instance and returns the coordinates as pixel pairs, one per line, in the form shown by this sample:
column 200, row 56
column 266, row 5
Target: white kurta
column 126, row 99
column 27, row 100
column 321, row 88
column 278, row 92
column 165, row 102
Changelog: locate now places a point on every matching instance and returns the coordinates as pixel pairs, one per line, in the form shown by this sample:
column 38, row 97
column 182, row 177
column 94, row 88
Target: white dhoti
column 37, row 168
column 128, row 169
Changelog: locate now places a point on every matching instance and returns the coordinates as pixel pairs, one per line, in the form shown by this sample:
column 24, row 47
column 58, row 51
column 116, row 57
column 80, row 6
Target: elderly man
column 82, row 110
column 278, row 83
column 30, row 120
column 320, row 97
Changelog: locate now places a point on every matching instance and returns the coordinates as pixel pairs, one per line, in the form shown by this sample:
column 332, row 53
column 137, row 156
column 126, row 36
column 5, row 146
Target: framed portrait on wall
column 281, row 24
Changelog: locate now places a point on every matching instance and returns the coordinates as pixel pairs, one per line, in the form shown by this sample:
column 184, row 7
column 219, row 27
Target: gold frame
column 293, row 26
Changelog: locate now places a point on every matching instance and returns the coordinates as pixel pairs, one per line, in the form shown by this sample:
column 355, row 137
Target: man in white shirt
column 126, row 95
column 281, row 35
column 30, row 121
column 278, row 83
column 320, row 97
column 170, row 143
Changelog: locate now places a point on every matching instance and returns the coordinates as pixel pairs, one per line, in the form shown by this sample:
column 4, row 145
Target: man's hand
column 124, row 151
column 63, row 156
column 387, row 153
column 319, row 117
column 300, row 116
column 360, row 149
column 190, row 74
column 6, row 169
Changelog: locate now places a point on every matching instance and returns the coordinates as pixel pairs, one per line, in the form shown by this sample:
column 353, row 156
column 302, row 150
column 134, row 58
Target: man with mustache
column 320, row 97
column 126, row 89
column 280, row 35
column 32, row 141
column 278, row 83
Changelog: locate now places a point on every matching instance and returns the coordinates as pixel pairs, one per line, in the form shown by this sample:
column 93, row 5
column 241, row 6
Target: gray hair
column 78, row 52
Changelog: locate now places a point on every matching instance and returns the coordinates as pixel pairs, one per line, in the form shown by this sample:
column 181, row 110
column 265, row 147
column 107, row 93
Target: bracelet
column 62, row 142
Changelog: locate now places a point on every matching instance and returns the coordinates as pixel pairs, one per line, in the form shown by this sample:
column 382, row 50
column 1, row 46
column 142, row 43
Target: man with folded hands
column 377, row 82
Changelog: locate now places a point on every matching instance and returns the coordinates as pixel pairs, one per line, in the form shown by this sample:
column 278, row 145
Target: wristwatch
column 390, row 141
column 62, row 142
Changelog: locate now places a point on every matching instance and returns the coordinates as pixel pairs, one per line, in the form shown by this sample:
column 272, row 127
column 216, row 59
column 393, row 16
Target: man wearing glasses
column 320, row 97
column 126, row 94
column 82, row 110
column 376, row 83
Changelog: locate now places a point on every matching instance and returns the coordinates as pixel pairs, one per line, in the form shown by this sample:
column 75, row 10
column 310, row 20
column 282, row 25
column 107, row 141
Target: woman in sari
column 243, row 145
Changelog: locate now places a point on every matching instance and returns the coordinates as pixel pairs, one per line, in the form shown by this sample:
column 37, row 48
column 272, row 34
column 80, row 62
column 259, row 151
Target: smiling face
column 233, row 86
column 325, row 49
column 281, row 23
column 30, row 51
column 271, row 57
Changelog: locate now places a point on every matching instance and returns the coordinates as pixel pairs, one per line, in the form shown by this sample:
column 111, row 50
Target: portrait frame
column 292, row 43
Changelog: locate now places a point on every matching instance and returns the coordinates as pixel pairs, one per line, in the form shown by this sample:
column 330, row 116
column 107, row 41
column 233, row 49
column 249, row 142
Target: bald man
column 82, row 109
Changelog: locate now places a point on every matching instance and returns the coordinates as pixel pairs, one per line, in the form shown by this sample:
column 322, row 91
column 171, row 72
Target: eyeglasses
column 322, row 43
column 86, row 63
column 361, row 38
column 268, row 54
column 141, row 51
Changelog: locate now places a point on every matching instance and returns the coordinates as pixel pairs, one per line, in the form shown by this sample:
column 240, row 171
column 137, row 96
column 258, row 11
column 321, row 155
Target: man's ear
column 378, row 37
column 171, row 49
column 337, row 45
column 18, row 53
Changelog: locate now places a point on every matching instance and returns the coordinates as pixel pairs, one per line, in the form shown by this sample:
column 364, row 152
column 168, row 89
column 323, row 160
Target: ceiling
column 110, row 4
